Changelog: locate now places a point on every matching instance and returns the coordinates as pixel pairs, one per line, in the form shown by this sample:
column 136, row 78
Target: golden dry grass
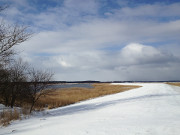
column 174, row 83
column 6, row 116
column 68, row 96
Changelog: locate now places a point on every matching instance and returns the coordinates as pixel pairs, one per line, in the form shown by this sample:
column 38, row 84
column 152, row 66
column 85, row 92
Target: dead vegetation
column 8, row 115
column 174, row 83
column 66, row 96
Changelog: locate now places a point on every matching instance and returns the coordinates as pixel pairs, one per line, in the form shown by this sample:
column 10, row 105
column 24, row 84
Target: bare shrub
column 25, row 112
column 39, row 81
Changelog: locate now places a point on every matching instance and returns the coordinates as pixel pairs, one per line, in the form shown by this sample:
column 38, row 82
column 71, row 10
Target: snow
column 153, row 109
column 2, row 107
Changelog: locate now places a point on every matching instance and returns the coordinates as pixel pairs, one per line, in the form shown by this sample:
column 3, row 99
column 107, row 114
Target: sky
column 105, row 40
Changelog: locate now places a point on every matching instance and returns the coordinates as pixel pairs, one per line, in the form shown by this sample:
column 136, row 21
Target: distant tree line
column 19, row 83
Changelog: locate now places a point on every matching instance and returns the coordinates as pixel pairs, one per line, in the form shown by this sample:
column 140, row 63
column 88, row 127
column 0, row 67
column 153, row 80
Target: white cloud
column 75, row 38
column 133, row 62
column 81, row 6
column 64, row 63
column 138, row 54
column 98, row 34
column 149, row 10
column 141, row 62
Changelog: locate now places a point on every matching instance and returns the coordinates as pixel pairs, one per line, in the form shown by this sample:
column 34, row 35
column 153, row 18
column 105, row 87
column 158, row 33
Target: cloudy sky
column 104, row 40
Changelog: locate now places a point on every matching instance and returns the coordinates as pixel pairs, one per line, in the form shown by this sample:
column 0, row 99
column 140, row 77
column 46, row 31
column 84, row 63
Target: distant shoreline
column 61, row 82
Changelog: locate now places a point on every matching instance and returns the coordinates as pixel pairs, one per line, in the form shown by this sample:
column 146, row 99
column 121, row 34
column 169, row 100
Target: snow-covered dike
column 153, row 109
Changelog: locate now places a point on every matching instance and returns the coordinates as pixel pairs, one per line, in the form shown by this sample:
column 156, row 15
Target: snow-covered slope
column 153, row 109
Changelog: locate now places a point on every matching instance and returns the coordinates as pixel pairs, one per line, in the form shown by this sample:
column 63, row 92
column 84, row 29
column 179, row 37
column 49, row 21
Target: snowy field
column 153, row 109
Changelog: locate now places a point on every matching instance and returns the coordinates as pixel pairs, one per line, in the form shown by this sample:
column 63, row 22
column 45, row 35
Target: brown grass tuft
column 8, row 115
column 67, row 96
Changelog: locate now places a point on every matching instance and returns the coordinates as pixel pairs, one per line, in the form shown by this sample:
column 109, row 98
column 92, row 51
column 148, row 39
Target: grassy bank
column 66, row 96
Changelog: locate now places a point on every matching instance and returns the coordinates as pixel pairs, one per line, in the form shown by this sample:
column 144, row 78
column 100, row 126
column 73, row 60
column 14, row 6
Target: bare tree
column 4, row 87
column 39, row 81
column 10, row 35
column 12, row 82
column 18, row 76
column 15, row 82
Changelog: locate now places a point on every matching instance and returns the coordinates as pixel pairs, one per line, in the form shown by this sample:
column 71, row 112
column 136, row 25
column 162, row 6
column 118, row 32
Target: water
column 81, row 85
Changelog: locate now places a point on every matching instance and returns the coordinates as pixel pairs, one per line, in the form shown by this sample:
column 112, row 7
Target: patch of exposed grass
column 174, row 83
column 8, row 115
column 67, row 96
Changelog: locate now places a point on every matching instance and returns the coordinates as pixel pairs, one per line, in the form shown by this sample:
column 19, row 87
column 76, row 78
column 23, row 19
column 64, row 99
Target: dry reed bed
column 66, row 96
column 174, row 83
